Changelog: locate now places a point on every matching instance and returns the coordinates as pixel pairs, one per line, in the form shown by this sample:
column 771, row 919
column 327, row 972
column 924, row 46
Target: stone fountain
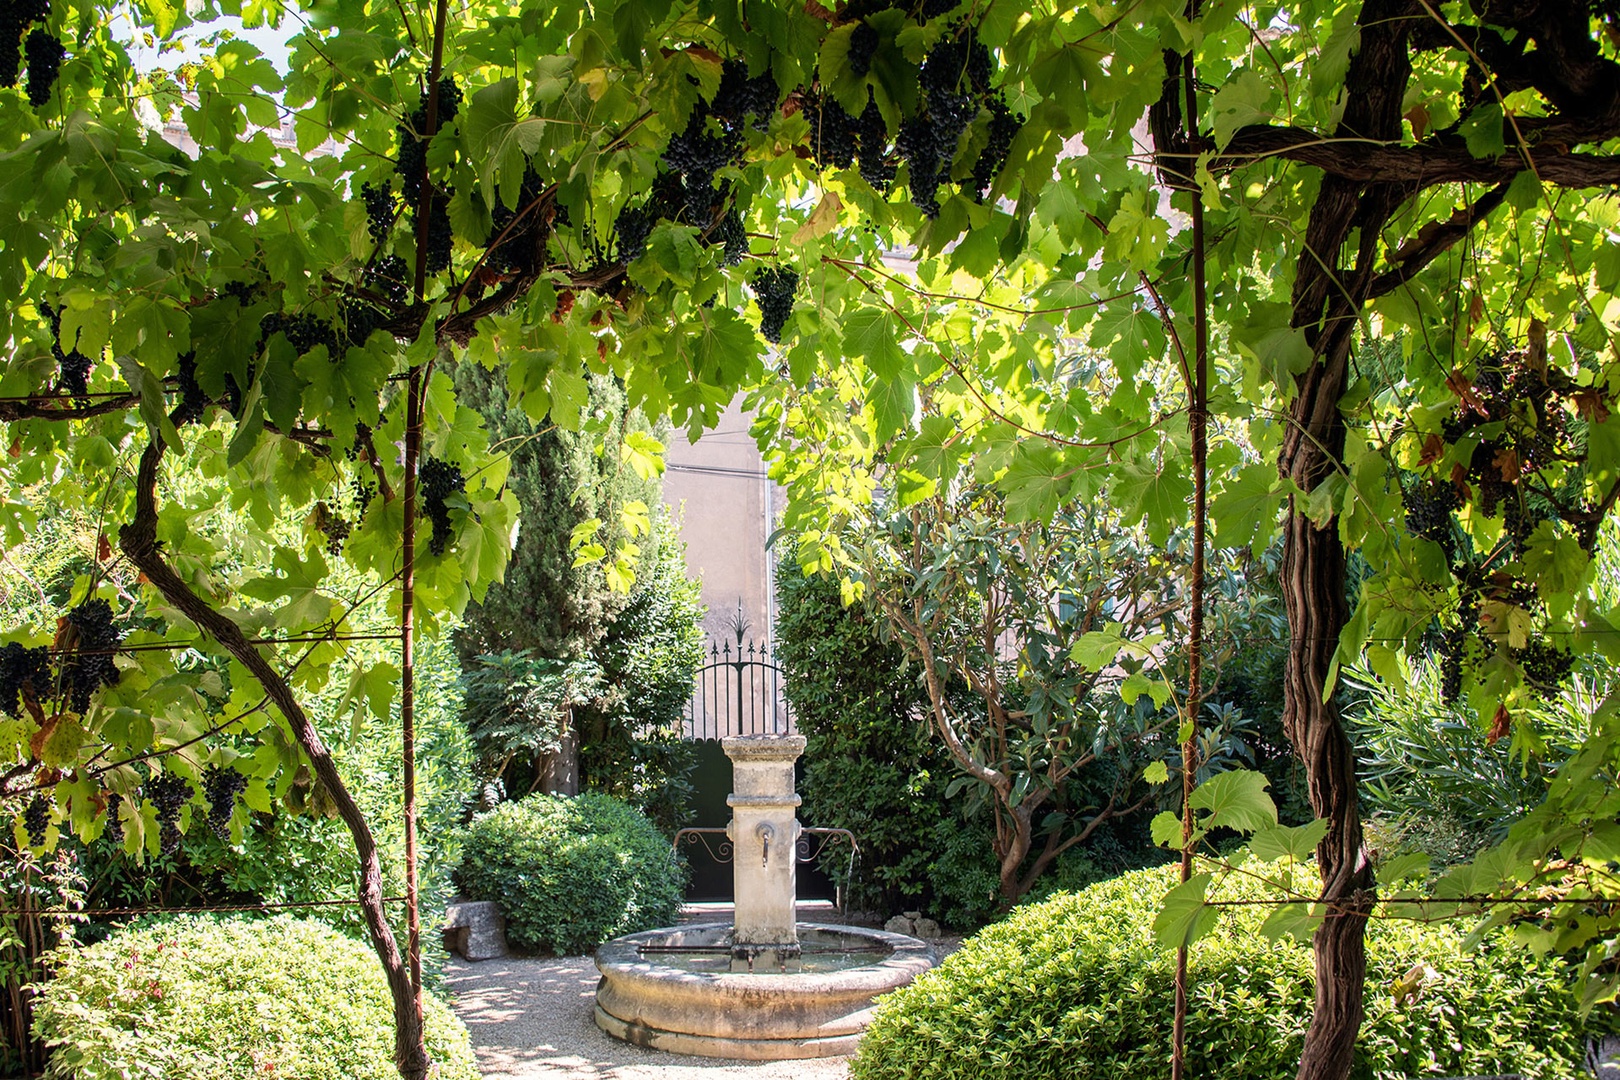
column 764, row 986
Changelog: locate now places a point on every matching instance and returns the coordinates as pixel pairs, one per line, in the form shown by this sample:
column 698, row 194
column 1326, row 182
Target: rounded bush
column 1075, row 988
column 194, row 998
column 570, row 873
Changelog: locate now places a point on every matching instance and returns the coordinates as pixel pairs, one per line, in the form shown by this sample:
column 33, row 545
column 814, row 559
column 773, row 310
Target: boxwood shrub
column 570, row 873
column 194, row 998
column 1075, row 988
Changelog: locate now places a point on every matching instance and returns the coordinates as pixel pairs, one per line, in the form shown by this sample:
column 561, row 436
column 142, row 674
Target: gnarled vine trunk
column 138, row 541
column 1333, row 282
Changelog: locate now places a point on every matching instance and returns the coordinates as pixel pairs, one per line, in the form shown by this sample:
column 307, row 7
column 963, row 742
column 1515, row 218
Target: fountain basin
column 658, row 1000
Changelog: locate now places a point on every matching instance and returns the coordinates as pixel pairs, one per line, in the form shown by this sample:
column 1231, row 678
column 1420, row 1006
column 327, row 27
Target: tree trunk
column 1313, row 591
column 1333, row 281
column 559, row 770
column 138, row 541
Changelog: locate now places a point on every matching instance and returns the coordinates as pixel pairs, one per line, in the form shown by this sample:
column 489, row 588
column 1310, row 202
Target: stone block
column 900, row 925
column 475, row 930
column 926, row 928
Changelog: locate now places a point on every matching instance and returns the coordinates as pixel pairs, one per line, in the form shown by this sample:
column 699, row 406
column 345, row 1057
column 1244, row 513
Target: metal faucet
column 766, row 833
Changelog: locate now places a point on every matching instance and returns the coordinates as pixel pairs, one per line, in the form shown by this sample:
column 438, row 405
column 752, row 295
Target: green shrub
column 569, row 873
column 1076, row 988
column 201, row 999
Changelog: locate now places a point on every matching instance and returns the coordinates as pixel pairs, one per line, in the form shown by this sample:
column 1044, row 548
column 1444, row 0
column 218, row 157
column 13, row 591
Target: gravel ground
column 532, row 1020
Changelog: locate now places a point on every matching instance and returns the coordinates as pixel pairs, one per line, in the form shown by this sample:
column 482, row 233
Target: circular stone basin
column 689, row 1003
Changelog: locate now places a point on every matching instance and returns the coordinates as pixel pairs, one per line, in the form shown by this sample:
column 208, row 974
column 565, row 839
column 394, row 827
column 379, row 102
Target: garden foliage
column 1074, row 988
column 194, row 998
column 630, row 744
column 871, row 762
column 621, row 189
column 570, row 873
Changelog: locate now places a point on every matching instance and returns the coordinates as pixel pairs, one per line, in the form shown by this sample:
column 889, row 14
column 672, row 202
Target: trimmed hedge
column 570, row 873
column 1075, row 988
column 194, row 998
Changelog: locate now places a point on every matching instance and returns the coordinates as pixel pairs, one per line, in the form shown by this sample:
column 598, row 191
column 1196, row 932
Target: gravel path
column 532, row 1020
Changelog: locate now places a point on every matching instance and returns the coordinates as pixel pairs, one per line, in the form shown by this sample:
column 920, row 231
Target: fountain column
column 764, row 832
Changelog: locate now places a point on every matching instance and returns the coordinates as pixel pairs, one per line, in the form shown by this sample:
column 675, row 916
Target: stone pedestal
column 764, row 832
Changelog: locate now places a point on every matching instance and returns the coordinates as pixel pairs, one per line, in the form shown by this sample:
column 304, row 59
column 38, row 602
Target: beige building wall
column 727, row 508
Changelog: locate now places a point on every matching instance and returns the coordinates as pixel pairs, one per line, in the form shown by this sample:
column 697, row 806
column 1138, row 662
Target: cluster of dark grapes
column 115, row 823
column 364, row 491
column 832, row 131
column 193, row 402
column 357, row 449
column 955, row 79
column 1453, row 643
column 45, row 55
column 523, row 248
column 412, row 145
column 863, row 43
column 305, row 332
column 686, row 190
column 389, row 277
column 381, row 209
column 439, row 480
column 667, row 201
column 697, row 153
column 89, row 666
column 356, row 320
column 36, row 818
column 220, row 787
column 440, row 238
column 872, row 146
column 1545, row 665
column 334, row 527
column 73, row 367
column 773, row 288
column 743, row 98
column 733, row 237
column 25, row 675
column 412, row 159
column 1004, row 127
column 1517, row 409
column 168, row 793
column 15, row 17
column 1429, row 505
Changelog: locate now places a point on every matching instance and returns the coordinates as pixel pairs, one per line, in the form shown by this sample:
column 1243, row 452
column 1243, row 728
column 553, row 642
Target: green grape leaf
column 1236, row 800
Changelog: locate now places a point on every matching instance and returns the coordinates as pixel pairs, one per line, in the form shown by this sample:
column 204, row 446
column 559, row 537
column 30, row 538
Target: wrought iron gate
column 739, row 691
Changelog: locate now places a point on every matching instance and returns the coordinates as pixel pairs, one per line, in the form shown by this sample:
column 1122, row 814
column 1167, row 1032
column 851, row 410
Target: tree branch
column 1434, row 162
column 138, row 540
